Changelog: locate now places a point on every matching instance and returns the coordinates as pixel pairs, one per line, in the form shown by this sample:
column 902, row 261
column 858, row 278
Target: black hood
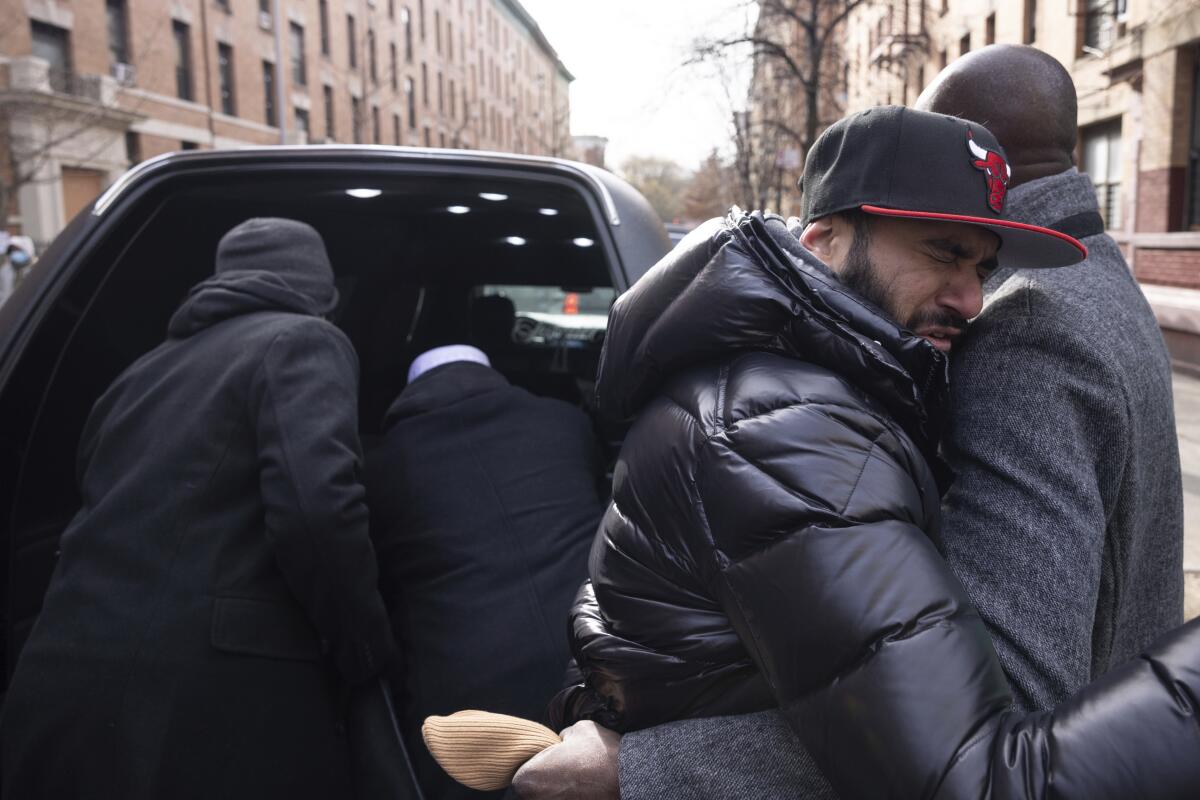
column 745, row 283
column 263, row 264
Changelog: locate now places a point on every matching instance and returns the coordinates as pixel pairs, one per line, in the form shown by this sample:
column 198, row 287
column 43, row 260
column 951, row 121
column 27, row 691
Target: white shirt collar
column 445, row 355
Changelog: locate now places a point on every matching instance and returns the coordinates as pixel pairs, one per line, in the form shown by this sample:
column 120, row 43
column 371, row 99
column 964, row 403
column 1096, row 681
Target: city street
column 1187, row 417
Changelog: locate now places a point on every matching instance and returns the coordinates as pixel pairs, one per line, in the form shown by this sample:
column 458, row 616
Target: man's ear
column 818, row 238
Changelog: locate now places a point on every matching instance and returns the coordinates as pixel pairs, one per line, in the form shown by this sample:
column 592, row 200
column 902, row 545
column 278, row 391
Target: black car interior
column 417, row 258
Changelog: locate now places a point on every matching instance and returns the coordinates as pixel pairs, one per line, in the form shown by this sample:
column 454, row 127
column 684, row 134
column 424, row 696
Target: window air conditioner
column 265, row 21
column 124, row 73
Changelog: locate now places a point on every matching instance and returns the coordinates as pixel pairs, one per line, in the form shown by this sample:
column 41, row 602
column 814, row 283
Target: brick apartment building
column 1135, row 67
column 88, row 87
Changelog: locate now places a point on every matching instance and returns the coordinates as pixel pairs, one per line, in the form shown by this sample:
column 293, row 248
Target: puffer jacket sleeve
column 306, row 410
column 885, row 670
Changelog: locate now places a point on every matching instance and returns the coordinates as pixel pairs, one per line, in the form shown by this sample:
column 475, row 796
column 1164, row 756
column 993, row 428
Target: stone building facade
column 88, row 87
column 1137, row 71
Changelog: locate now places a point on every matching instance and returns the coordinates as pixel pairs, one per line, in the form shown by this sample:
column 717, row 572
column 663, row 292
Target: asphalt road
column 1187, row 420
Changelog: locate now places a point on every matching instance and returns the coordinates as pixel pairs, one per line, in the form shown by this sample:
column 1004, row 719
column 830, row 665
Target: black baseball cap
column 899, row 162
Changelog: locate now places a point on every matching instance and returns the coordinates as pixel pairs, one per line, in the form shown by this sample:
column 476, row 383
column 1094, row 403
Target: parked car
column 413, row 235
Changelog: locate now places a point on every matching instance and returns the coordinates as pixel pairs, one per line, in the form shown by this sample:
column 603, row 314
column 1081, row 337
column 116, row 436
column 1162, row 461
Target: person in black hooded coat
column 217, row 590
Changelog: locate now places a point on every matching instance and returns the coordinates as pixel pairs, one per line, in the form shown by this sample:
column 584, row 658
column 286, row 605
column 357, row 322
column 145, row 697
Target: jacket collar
column 443, row 386
column 751, row 286
column 843, row 332
column 1046, row 202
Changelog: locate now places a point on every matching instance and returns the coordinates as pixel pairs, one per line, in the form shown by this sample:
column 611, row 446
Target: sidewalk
column 1187, row 420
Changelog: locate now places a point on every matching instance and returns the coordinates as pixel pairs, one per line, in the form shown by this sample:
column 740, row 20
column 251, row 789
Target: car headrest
column 492, row 319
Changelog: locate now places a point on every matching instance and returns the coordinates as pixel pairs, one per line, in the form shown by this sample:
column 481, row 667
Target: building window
column 395, row 69
column 421, row 17
column 395, row 128
column 406, row 20
column 1102, row 162
column 1030, row 21
column 352, row 41
column 53, row 45
column 372, row 62
column 1193, row 186
column 437, row 31
column 410, row 99
column 329, row 129
column 299, row 68
column 441, row 139
column 118, row 32
column 428, row 137
column 302, row 122
column 356, row 119
column 268, row 75
column 186, row 145
column 391, row 9
column 424, row 86
column 183, row 60
column 225, row 74
column 224, row 6
column 323, row 19
column 441, row 94
column 133, row 147
column 964, row 44
column 453, row 102
column 375, row 137
column 450, row 41
column 1098, row 23
column 989, row 34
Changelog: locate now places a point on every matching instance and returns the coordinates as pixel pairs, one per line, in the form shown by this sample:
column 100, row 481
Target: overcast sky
column 626, row 57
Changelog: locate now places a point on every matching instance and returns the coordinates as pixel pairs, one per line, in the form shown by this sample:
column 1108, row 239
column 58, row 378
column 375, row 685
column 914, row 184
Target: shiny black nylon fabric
column 744, row 445
column 745, row 283
column 769, row 543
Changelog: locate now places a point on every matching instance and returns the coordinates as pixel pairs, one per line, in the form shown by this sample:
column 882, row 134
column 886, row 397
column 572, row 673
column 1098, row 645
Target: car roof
column 639, row 234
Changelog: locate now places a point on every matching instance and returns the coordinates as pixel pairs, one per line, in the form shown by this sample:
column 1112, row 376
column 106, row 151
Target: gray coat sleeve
column 752, row 756
column 1037, row 427
column 306, row 411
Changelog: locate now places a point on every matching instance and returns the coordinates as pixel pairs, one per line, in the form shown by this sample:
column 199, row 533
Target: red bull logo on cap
column 995, row 169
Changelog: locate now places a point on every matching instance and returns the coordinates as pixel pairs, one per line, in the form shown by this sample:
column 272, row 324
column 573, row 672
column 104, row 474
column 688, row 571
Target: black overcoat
column 484, row 502
column 218, row 587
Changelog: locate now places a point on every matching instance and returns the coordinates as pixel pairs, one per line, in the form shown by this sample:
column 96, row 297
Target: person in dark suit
column 484, row 500
column 216, row 593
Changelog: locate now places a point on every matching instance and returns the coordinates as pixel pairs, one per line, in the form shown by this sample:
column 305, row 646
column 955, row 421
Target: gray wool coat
column 1065, row 522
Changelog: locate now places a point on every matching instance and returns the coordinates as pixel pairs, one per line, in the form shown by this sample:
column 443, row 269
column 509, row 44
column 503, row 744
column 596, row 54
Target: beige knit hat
column 482, row 750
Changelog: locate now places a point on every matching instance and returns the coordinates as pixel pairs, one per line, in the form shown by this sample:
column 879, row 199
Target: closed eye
column 948, row 251
column 942, row 255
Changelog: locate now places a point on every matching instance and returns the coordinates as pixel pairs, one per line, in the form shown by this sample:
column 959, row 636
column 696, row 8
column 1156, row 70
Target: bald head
column 1022, row 95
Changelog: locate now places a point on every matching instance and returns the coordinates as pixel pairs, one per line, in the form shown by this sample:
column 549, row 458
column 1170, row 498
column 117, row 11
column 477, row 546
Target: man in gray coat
column 1065, row 522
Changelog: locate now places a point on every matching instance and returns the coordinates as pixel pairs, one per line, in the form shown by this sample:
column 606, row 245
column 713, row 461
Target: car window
column 590, row 301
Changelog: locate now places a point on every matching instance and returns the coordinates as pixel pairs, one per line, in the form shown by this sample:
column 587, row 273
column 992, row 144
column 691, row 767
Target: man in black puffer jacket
column 773, row 533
